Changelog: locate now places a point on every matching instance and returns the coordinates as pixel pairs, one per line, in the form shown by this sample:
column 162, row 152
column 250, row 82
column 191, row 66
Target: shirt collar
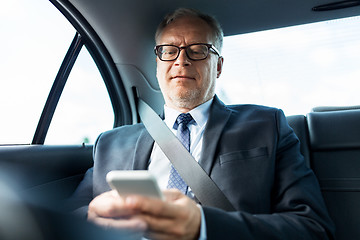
column 200, row 114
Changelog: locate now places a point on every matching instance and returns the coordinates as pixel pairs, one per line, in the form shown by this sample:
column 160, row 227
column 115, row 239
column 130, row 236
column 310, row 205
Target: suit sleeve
column 80, row 199
column 298, row 210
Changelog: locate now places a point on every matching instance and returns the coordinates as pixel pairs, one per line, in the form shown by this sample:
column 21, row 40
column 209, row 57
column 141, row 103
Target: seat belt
column 204, row 188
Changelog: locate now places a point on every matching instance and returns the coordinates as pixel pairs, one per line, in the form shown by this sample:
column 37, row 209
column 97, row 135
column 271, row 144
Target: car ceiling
column 127, row 27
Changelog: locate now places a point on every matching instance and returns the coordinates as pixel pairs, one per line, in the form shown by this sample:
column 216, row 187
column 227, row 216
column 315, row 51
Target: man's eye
column 169, row 52
column 196, row 52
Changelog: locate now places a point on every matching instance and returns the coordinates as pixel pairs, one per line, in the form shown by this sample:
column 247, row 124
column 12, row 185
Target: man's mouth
column 183, row 77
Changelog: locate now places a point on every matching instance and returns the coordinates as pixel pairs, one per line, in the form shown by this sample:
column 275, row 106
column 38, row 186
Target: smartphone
column 137, row 182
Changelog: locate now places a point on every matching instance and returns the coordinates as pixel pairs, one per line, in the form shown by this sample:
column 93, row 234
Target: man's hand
column 109, row 210
column 178, row 217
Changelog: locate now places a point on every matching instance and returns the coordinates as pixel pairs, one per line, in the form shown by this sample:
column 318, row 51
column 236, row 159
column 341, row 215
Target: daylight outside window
column 37, row 39
column 294, row 68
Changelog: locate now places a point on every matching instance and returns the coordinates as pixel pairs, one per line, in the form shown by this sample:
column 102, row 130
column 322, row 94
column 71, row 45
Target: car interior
column 119, row 35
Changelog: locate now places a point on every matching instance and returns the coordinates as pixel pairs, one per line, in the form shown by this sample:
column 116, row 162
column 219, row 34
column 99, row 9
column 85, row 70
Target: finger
column 180, row 217
column 183, row 221
column 130, row 224
column 156, row 224
column 168, row 208
column 170, row 229
column 172, row 194
column 152, row 206
column 109, row 205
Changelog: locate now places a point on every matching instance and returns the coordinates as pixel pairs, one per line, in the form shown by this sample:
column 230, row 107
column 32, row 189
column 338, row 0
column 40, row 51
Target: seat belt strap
column 204, row 188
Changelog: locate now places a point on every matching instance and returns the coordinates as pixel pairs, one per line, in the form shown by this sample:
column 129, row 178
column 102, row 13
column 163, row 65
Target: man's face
column 185, row 83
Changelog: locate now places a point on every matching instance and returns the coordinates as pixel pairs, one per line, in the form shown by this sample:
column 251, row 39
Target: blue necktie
column 183, row 133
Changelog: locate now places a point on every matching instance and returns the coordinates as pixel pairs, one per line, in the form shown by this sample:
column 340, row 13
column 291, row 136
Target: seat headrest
column 338, row 129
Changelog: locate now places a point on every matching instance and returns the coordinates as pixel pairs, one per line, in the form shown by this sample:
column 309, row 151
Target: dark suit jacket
column 252, row 155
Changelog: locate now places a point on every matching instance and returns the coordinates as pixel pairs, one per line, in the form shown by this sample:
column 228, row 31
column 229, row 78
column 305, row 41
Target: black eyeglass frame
column 211, row 48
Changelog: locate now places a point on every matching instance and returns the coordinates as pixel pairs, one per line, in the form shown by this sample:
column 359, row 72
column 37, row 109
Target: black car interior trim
column 337, row 5
column 57, row 89
column 103, row 60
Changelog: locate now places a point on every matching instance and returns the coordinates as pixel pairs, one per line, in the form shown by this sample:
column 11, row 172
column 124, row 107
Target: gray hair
column 217, row 31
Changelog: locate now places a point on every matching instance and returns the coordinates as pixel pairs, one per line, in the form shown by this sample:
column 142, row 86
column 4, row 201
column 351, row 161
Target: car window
column 84, row 109
column 294, row 68
column 35, row 39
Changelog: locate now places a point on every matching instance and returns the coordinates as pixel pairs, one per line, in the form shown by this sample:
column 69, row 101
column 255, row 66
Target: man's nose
column 182, row 59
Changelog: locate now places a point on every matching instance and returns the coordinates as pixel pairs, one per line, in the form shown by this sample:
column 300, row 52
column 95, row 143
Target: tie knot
column 184, row 118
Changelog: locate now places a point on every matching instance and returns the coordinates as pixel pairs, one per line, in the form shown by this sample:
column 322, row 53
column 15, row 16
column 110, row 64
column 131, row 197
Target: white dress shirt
column 160, row 165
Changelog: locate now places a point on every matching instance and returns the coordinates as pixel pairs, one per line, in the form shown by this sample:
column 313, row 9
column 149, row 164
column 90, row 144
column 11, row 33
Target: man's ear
column 219, row 66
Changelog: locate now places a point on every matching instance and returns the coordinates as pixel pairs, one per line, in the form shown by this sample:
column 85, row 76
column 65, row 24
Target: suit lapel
column 219, row 115
column 143, row 150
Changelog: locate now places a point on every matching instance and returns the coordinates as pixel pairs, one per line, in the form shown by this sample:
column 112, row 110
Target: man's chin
column 189, row 100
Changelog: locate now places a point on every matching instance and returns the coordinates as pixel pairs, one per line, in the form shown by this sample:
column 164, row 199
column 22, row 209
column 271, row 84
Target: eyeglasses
column 195, row 52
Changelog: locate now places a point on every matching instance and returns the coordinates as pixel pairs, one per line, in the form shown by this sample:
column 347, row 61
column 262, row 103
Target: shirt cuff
column 203, row 225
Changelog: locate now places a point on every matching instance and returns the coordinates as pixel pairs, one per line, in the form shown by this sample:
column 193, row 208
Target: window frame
column 85, row 36
column 56, row 90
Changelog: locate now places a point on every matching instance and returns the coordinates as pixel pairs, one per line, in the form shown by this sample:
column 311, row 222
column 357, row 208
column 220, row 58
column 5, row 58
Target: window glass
column 84, row 108
column 34, row 39
column 294, row 68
